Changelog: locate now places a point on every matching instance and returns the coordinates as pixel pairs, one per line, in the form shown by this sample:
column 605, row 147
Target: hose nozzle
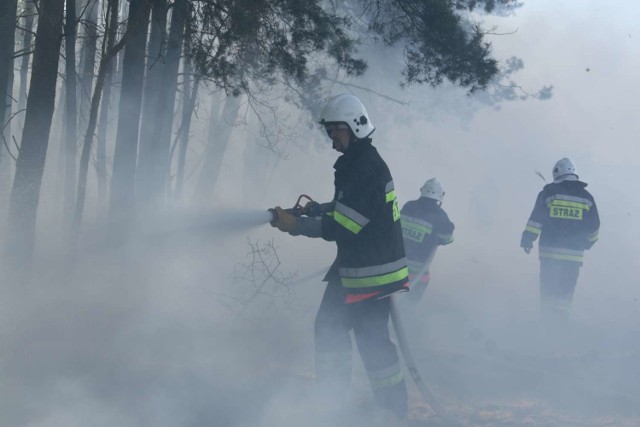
column 274, row 216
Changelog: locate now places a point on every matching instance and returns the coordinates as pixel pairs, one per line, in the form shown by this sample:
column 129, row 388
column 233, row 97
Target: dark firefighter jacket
column 365, row 224
column 425, row 226
column 566, row 218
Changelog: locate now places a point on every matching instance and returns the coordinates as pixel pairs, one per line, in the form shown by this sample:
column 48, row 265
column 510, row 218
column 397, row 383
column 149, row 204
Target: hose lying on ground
column 424, row 389
column 403, row 343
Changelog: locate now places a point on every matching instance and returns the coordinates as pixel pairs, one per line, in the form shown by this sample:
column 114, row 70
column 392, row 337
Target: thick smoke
column 147, row 333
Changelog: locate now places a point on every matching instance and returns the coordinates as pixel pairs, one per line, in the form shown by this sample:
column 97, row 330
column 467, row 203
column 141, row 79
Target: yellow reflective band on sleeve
column 383, row 279
column 533, row 227
column 593, row 236
column 448, row 238
column 347, row 222
column 349, row 218
column 533, row 230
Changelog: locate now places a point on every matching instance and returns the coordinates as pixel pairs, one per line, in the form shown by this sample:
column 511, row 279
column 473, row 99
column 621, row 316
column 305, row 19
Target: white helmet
column 346, row 108
column 564, row 167
column 432, row 189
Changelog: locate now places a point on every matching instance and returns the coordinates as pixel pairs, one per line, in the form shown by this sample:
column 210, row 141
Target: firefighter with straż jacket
column 425, row 226
column 566, row 218
column 364, row 221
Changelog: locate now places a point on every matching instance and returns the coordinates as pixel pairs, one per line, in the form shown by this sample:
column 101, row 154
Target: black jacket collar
column 355, row 150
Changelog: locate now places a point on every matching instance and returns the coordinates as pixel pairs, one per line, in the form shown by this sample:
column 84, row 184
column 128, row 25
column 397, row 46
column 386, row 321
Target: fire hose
column 412, row 367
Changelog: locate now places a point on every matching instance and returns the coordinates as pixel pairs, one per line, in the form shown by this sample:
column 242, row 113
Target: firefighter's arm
column 593, row 226
column 445, row 230
column 353, row 211
column 534, row 225
column 311, row 226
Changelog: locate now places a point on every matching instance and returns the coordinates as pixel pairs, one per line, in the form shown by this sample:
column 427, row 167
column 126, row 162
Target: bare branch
column 366, row 89
column 259, row 287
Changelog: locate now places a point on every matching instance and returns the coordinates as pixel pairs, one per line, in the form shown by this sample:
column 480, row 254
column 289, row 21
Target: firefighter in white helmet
column 425, row 226
column 364, row 221
column 566, row 218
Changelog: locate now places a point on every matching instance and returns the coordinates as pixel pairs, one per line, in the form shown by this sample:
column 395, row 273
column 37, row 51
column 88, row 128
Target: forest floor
column 153, row 346
column 494, row 392
column 481, row 383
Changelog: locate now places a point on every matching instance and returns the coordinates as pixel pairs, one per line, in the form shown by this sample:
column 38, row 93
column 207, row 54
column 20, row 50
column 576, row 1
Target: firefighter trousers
column 369, row 321
column 558, row 280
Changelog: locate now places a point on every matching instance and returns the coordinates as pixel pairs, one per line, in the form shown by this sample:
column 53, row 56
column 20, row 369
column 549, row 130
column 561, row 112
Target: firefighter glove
column 285, row 221
column 526, row 243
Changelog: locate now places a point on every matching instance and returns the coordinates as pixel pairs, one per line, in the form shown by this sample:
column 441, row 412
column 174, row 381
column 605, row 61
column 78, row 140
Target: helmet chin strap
column 566, row 177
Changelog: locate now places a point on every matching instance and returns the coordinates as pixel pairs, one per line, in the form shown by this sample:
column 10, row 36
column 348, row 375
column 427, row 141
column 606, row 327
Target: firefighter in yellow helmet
column 364, row 221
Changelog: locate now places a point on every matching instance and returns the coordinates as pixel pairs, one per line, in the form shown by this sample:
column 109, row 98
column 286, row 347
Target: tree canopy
column 237, row 41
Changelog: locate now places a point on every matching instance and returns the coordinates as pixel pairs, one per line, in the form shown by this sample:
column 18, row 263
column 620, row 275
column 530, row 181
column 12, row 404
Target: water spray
column 219, row 221
column 228, row 221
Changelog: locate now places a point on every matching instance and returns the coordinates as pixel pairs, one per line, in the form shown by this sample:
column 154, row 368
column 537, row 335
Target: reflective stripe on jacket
column 425, row 226
column 566, row 218
column 365, row 224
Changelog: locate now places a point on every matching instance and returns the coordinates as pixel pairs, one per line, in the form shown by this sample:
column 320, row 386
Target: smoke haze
column 155, row 333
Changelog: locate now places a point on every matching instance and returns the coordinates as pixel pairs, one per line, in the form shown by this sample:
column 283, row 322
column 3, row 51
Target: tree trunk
column 23, row 205
column 121, row 206
column 113, row 85
column 8, row 9
column 161, row 139
column 71, row 112
column 183, row 141
column 218, row 139
column 189, row 96
column 101, row 140
column 109, row 52
column 152, row 89
column 101, row 143
column 123, row 15
column 27, row 40
column 8, row 113
column 88, row 59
